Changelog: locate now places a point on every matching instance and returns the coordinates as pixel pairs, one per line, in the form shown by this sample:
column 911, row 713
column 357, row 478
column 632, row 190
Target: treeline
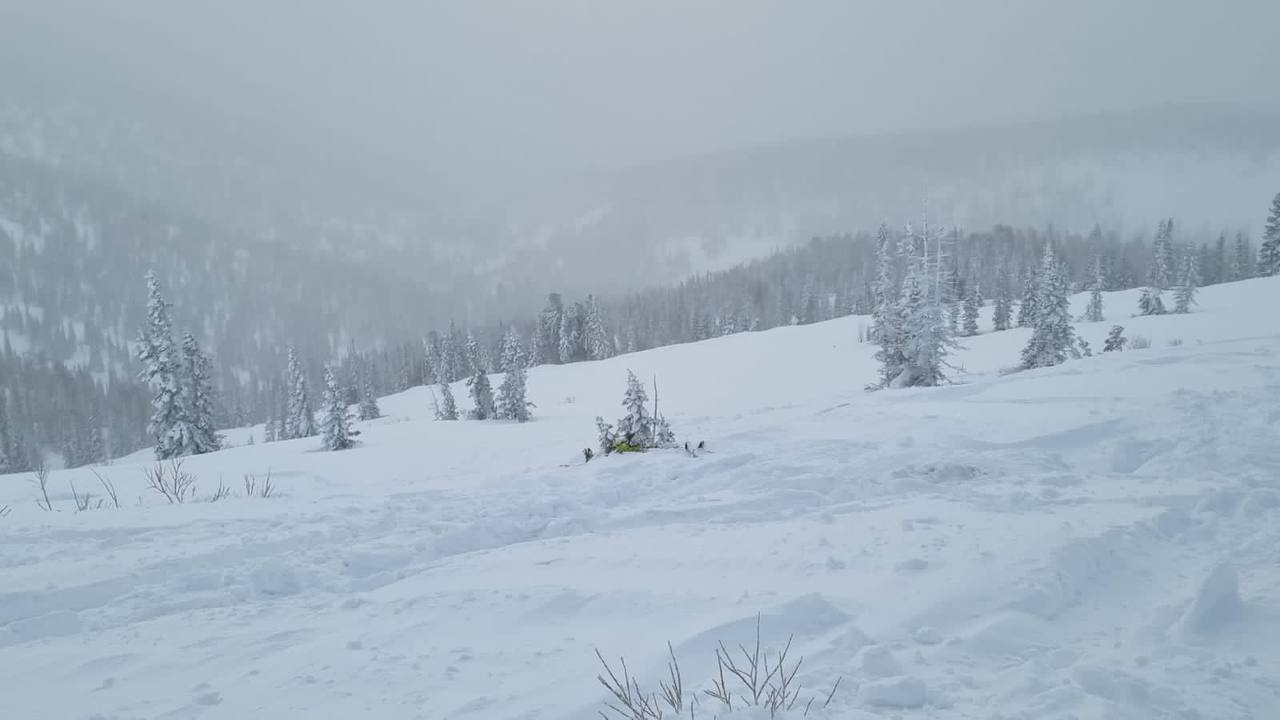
column 62, row 410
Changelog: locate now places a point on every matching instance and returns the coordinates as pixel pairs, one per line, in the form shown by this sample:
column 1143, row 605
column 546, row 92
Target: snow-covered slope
column 1096, row 540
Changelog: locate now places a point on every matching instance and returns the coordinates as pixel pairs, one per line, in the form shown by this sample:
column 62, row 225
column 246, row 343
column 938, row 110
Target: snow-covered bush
column 1140, row 343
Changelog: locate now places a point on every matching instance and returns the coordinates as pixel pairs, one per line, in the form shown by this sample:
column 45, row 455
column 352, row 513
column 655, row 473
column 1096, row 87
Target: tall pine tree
column 199, row 404
column 160, row 372
column 300, row 421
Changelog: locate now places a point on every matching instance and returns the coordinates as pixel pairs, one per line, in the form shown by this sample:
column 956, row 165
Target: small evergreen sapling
column 636, row 427
column 448, row 407
column 1115, row 340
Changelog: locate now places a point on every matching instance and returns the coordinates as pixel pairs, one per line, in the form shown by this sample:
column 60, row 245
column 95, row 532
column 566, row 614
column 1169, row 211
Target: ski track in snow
column 1096, row 540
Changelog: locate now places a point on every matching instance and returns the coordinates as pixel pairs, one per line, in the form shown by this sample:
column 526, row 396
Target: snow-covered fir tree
column 1269, row 251
column 513, row 403
column 1002, row 310
column 448, row 407
column 300, row 421
column 198, row 403
column 599, row 345
column 336, row 431
column 512, row 354
column 972, row 303
column 886, row 314
column 548, row 330
column 481, row 396
column 636, row 427
column 161, row 371
column 475, row 363
column 570, row 335
column 1162, row 257
column 1184, row 295
column 1093, row 313
column 1115, row 340
column 1052, row 337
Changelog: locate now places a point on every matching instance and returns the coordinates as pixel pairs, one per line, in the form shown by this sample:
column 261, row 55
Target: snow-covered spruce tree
column 536, row 353
column 368, row 408
column 1184, row 295
column 1002, row 312
column 471, row 353
column 1027, row 308
column 1115, row 340
column 160, row 371
column 1052, row 337
column 448, row 407
column 337, row 433
column 1269, row 251
column 1150, row 302
column 1162, row 256
column 512, row 354
column 300, row 421
column 886, row 314
column 452, row 366
column 1093, row 313
column 972, row 302
column 481, row 396
column 546, row 337
column 598, row 344
column 635, row 429
column 198, row 400
column 513, row 403
column 570, row 335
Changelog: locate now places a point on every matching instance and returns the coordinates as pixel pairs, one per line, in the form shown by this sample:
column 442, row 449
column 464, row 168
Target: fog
column 505, row 94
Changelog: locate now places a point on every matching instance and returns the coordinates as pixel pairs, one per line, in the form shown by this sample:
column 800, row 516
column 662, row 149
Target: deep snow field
column 1096, row 540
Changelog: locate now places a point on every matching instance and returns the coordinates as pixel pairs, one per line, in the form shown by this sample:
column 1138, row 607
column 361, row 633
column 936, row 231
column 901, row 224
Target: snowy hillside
column 1096, row 540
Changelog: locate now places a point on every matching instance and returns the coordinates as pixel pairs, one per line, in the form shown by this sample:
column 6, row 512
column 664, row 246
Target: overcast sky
column 572, row 84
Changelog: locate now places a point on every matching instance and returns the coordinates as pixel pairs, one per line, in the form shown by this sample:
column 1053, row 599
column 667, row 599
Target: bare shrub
column 108, row 487
column 171, row 481
column 221, row 493
column 41, row 471
column 1138, row 342
column 258, row 488
column 761, row 682
column 82, row 502
column 1175, row 342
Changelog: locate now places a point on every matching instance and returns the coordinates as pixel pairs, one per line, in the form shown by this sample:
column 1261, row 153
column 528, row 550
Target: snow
column 1093, row 540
